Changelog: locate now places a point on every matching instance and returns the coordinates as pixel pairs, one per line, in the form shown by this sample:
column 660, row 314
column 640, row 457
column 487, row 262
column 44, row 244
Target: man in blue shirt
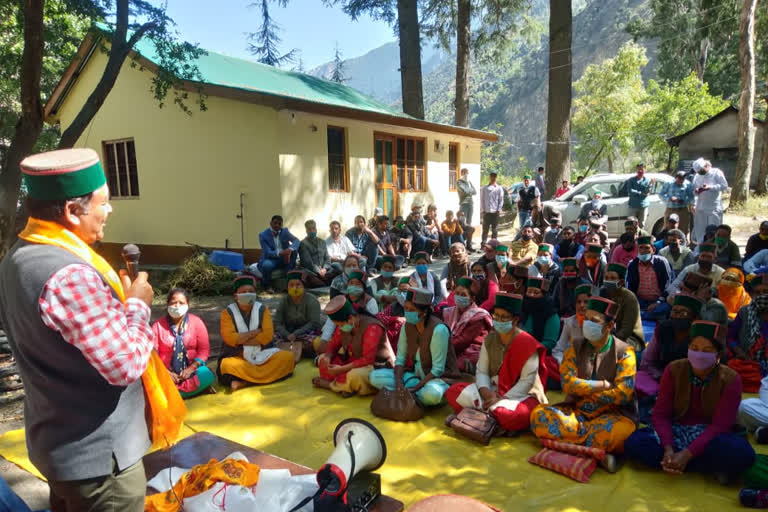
column 679, row 198
column 279, row 249
column 639, row 187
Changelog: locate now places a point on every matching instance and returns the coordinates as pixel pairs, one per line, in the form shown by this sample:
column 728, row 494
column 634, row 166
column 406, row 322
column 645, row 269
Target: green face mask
column 721, row 241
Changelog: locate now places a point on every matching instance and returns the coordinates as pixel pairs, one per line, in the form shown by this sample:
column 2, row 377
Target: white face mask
column 178, row 311
column 246, row 299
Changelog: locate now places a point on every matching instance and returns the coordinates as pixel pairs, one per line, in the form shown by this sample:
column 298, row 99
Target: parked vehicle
column 615, row 196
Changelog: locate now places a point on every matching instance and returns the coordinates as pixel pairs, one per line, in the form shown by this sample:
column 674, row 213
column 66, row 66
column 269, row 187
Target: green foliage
column 199, row 276
column 611, row 98
column 337, row 72
column 264, row 43
column 493, row 156
column 673, row 108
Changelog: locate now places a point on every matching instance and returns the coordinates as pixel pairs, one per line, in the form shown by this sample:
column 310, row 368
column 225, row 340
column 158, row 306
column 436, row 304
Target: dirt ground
column 35, row 492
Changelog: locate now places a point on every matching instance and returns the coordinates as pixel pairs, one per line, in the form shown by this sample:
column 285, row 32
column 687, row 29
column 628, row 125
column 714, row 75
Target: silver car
column 615, row 197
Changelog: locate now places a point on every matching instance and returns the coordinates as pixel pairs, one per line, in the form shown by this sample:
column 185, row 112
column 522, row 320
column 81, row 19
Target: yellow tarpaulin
column 293, row 420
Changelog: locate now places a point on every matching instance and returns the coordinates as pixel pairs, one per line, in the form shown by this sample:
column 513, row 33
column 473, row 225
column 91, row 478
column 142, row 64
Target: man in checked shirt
column 81, row 338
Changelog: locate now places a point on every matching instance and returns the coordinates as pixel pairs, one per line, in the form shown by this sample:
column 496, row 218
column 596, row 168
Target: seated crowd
column 559, row 310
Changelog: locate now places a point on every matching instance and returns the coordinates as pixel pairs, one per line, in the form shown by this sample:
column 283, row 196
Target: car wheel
column 657, row 227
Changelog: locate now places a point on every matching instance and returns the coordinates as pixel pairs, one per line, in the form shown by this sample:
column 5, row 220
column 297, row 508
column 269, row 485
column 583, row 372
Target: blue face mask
column 501, row 259
column 644, row 257
column 543, row 260
column 583, row 228
column 592, row 330
column 354, row 290
column 347, row 327
column 412, row 317
column 478, row 277
column 462, row 301
column 387, row 273
column 502, row 327
column 422, row 268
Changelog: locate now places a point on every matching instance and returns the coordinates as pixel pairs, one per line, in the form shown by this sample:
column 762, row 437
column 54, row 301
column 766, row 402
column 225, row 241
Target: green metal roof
column 232, row 72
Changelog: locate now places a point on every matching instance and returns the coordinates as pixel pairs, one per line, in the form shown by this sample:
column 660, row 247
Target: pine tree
column 264, row 43
column 337, row 72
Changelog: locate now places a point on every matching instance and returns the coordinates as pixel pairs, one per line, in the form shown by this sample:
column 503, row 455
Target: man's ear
column 72, row 212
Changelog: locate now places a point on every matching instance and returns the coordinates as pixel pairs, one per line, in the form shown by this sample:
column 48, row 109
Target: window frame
column 457, row 170
column 410, row 185
column 345, row 158
column 113, row 143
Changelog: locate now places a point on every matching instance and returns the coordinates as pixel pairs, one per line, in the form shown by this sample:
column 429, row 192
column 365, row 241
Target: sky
column 221, row 26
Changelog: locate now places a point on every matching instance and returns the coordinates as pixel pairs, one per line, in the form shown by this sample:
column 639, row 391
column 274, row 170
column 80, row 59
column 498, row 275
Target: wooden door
column 386, row 175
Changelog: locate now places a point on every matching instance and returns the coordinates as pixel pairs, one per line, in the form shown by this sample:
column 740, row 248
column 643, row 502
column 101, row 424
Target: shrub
column 199, row 276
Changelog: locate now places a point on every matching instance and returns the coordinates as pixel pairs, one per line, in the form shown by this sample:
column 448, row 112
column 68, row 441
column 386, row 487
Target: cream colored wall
column 304, row 170
column 191, row 169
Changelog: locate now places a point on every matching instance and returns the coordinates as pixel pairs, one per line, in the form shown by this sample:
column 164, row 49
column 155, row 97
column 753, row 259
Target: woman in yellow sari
column 731, row 291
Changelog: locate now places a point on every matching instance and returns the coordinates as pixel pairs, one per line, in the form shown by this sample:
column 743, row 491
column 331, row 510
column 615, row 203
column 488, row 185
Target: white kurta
column 709, row 205
column 753, row 412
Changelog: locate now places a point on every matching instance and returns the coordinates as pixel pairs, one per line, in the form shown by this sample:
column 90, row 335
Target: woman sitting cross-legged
column 695, row 412
column 297, row 318
column 468, row 324
column 387, row 290
column 424, row 353
column 669, row 343
column 748, row 337
column 510, row 376
column 356, row 293
column 598, row 377
column 358, row 342
column 181, row 341
column 731, row 291
column 248, row 355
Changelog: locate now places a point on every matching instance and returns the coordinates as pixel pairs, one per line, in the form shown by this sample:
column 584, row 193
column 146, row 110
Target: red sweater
column 195, row 340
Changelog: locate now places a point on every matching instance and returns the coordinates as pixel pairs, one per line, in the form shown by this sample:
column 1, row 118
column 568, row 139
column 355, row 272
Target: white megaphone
column 359, row 447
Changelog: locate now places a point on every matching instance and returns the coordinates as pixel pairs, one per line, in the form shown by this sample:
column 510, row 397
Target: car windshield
column 608, row 189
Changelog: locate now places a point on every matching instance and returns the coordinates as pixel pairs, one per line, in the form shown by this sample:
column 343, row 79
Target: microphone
column 131, row 255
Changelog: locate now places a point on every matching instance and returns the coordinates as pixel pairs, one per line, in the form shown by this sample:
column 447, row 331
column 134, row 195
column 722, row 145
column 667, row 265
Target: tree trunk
column 29, row 126
column 462, row 62
column 410, row 58
column 743, row 171
column 762, row 178
column 118, row 52
column 558, row 160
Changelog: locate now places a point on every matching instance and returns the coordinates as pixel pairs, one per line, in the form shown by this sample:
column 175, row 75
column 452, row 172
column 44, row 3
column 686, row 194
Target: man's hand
column 651, row 307
column 322, row 272
column 286, row 252
column 138, row 289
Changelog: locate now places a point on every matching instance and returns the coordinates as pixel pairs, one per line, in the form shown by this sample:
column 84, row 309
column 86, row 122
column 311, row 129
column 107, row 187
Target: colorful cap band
column 710, row 330
column 618, row 268
column 509, row 302
column 602, row 305
column 570, row 263
column 688, row 301
column 62, row 174
column 339, row 309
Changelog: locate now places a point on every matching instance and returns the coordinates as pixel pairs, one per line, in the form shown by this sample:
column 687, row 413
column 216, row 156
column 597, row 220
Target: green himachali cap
column 585, row 289
column 295, row 274
column 538, row 282
column 404, row 280
column 618, row 268
column 545, row 248
column 420, row 296
column 244, row 280
column 595, row 249
column 464, row 281
column 339, row 309
column 526, row 176
column 421, row 255
column 357, row 274
column 708, row 247
column 502, row 248
column 602, row 305
column 643, row 240
column 62, row 174
column 688, row 301
column 509, row 302
column 388, row 259
column 571, row 263
column 710, row 330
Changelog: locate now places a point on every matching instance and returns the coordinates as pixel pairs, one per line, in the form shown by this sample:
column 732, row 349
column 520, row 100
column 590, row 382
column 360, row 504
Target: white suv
column 615, row 196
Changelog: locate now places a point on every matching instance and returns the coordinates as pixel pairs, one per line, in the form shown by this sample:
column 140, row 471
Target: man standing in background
column 491, row 203
column 466, row 192
column 639, row 187
column 708, row 186
column 679, row 197
column 540, row 182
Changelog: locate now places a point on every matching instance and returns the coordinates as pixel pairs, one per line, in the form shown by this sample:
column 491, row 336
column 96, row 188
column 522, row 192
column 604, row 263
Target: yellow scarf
column 166, row 411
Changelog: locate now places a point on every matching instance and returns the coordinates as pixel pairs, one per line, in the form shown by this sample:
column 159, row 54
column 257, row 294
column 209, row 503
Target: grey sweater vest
column 76, row 422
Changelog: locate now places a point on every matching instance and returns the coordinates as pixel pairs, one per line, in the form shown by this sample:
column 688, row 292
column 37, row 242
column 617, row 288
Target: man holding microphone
column 81, row 338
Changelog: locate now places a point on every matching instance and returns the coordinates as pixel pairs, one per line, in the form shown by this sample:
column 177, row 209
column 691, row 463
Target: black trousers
column 490, row 220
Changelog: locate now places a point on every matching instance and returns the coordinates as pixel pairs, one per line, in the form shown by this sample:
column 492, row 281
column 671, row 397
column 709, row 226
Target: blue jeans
column 266, row 267
column 726, row 453
column 661, row 312
column 450, row 240
column 524, row 216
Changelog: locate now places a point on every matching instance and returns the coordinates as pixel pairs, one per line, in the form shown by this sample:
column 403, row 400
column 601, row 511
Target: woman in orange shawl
column 731, row 291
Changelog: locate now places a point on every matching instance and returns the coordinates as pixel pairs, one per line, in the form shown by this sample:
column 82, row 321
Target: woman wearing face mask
column 563, row 295
column 457, row 267
column 731, row 291
column 386, row 291
column 582, row 231
column 339, row 283
column 181, row 341
column 598, row 378
column 483, row 289
column 422, row 277
column 424, row 353
column 539, row 318
column 669, row 343
column 572, row 331
column 591, row 266
column 747, row 336
column 360, row 300
column 297, row 317
column 510, row 377
column 359, row 342
column 468, row 325
column 695, row 413
column 545, row 267
column 629, row 326
column 249, row 355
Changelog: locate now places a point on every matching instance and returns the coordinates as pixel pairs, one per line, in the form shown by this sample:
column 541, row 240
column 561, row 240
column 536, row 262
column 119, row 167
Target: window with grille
column 453, row 165
column 121, row 169
column 338, row 177
column 410, row 161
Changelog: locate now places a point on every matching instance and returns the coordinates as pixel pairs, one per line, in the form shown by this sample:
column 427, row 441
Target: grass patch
column 756, row 206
